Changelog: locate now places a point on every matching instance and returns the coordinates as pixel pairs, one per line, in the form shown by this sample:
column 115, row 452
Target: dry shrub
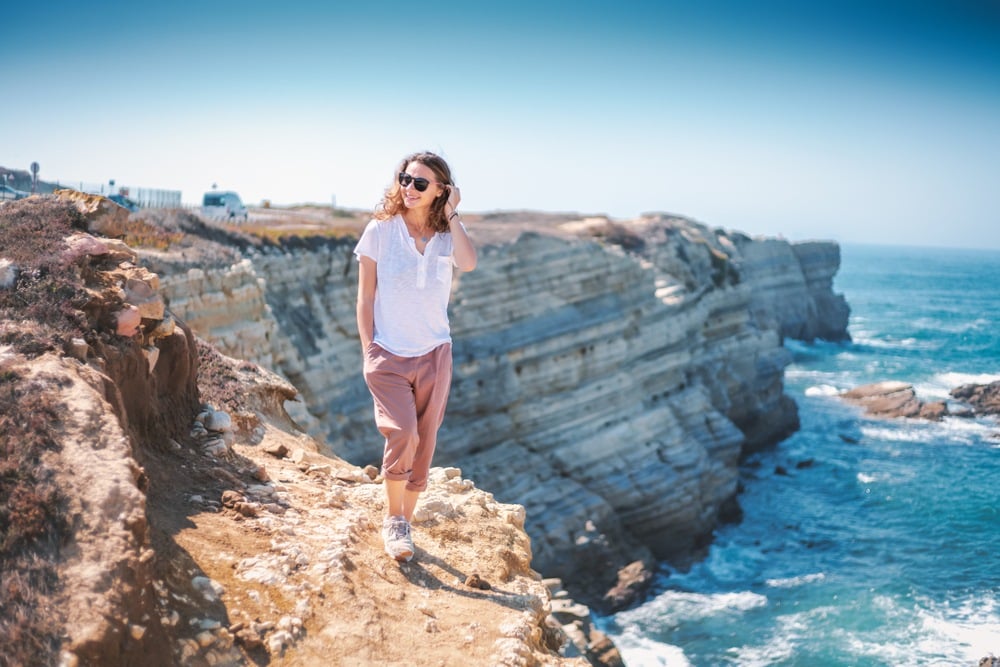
column 620, row 235
column 33, row 523
column 289, row 235
column 138, row 232
column 48, row 293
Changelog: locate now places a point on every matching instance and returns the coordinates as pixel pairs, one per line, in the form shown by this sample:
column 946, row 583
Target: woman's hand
column 454, row 197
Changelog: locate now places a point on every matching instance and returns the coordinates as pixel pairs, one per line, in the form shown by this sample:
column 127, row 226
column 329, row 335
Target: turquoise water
column 881, row 546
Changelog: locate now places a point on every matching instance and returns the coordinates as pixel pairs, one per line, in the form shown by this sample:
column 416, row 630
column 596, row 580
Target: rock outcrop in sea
column 895, row 399
column 608, row 375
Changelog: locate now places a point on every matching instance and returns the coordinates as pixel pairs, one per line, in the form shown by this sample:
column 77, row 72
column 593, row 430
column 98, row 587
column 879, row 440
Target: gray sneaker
column 397, row 538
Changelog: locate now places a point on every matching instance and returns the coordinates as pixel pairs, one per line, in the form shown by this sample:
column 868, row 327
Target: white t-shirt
column 412, row 290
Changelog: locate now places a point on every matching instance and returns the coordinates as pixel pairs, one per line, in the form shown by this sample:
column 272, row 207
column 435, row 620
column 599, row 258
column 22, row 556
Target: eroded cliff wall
column 607, row 375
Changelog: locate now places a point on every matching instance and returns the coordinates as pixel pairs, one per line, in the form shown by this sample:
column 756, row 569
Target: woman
column 406, row 255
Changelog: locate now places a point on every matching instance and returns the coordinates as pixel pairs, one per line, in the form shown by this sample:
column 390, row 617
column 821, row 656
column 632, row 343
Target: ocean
column 881, row 544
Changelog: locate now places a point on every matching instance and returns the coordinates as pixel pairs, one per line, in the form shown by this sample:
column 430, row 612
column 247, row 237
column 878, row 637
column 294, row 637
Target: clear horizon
column 874, row 123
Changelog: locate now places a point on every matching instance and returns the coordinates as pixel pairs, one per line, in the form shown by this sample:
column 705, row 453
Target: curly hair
column 392, row 200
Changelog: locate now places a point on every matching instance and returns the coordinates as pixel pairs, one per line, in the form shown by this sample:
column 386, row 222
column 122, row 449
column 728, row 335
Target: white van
column 223, row 206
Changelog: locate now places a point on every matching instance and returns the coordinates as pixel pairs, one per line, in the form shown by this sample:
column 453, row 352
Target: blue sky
column 872, row 122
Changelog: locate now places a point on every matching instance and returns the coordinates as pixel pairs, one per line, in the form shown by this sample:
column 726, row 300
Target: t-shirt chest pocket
column 443, row 269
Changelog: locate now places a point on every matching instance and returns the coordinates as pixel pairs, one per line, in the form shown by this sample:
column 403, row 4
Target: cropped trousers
column 410, row 395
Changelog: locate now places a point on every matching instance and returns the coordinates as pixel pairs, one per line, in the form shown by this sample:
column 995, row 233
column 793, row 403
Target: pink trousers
column 410, row 396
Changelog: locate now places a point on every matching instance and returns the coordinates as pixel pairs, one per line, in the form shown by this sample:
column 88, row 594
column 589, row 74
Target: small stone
column 137, row 631
column 209, row 588
column 277, row 450
column 261, row 490
column 249, row 639
column 223, row 638
column 127, row 321
column 189, row 649
column 81, row 245
column 475, row 581
column 566, row 610
column 205, row 639
column 431, row 625
column 230, row 498
column 263, row 627
column 165, row 328
column 249, row 510
column 277, row 642
column 219, row 421
column 78, row 349
column 216, row 448
column 275, row 508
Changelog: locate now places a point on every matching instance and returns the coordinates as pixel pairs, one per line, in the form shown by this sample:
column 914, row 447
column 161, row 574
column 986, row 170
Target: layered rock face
column 792, row 287
column 140, row 526
column 609, row 384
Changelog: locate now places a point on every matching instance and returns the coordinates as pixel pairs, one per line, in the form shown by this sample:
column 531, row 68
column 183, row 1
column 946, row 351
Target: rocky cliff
column 608, row 375
column 141, row 525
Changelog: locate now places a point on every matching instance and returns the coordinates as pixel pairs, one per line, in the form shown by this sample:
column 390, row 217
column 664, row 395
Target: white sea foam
column 939, row 387
column 974, row 626
column 901, row 431
column 948, row 431
column 960, row 326
column 822, row 390
column 957, row 379
column 638, row 651
column 934, row 634
column 672, row 607
column 864, row 339
column 866, row 478
column 792, row 630
column 792, row 582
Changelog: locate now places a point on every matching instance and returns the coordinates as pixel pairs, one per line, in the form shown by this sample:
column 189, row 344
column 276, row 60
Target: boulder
column 984, row 398
column 894, row 399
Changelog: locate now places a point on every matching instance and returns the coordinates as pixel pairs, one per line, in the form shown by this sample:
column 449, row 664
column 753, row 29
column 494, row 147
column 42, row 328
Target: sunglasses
column 419, row 183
